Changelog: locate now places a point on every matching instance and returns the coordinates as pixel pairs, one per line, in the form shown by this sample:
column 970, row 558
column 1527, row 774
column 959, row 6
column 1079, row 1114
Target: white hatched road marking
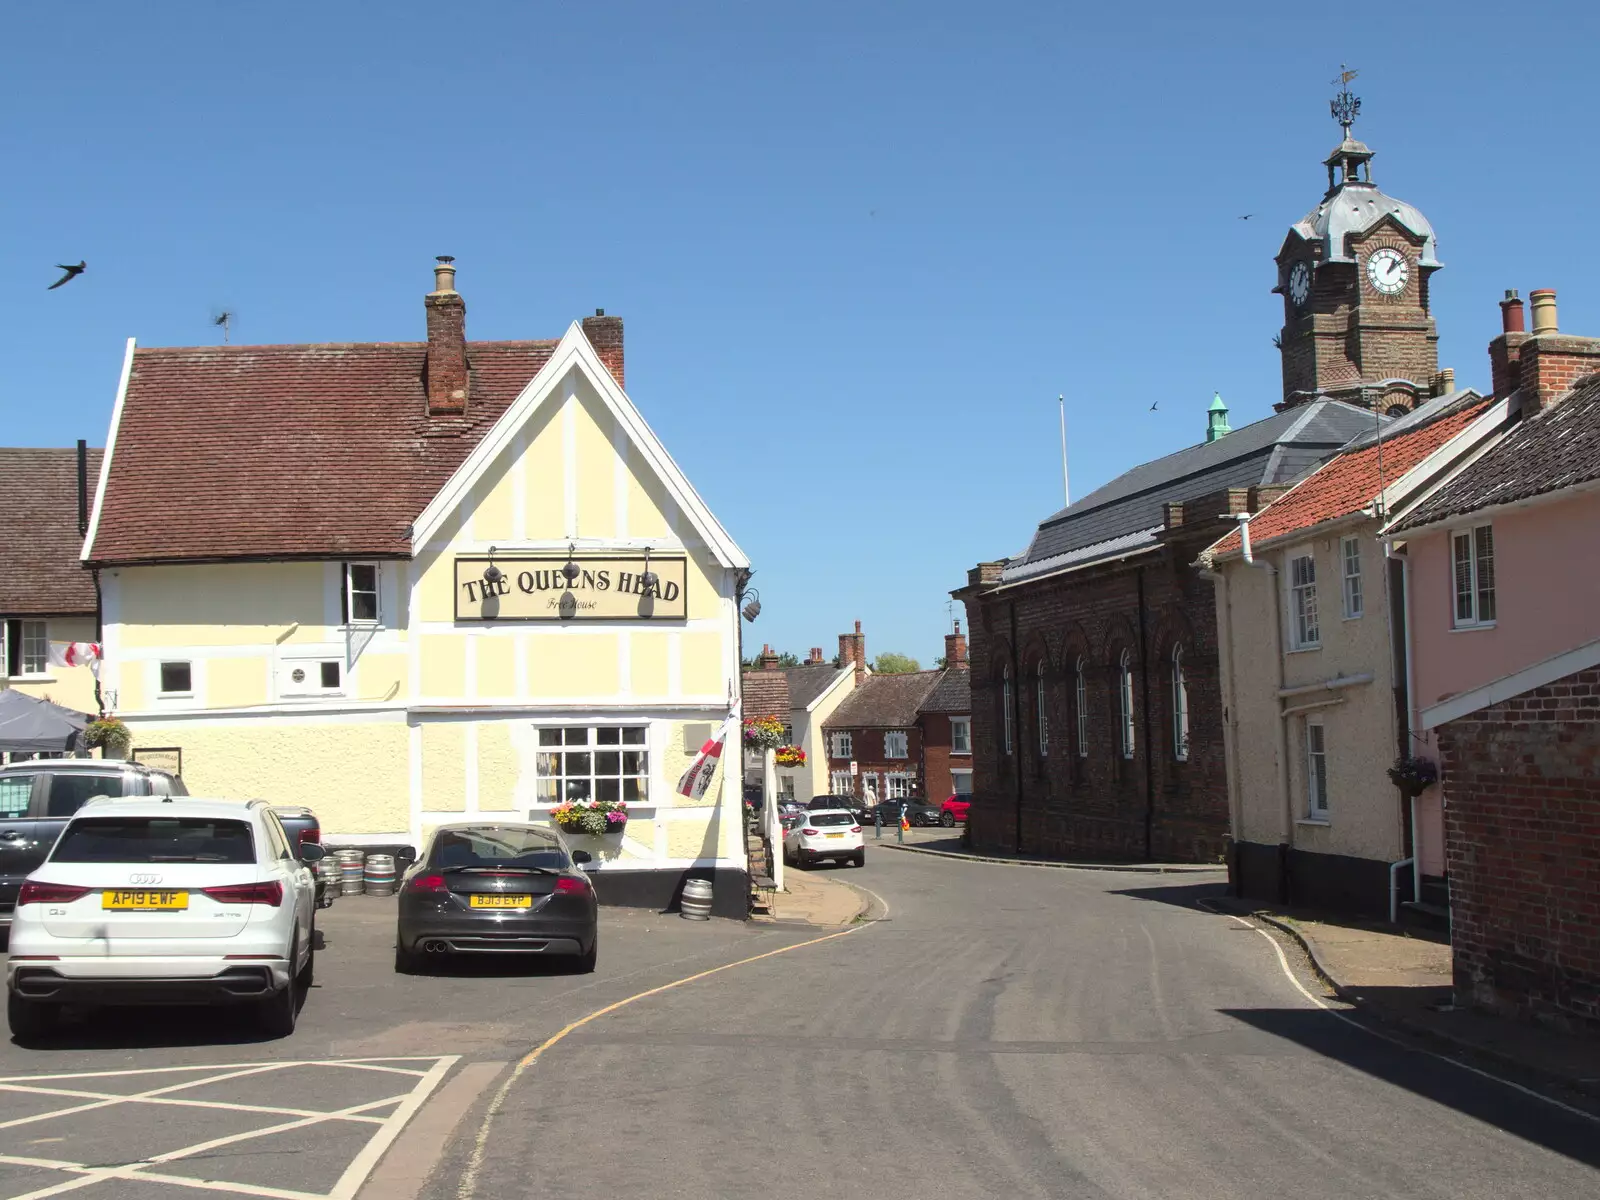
column 426, row 1080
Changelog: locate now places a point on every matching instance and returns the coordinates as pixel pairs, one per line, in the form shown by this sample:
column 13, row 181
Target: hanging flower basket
column 789, row 756
column 111, row 735
column 594, row 817
column 763, row 733
column 1413, row 776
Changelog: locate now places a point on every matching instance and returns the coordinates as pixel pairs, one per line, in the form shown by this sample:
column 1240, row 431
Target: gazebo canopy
column 27, row 724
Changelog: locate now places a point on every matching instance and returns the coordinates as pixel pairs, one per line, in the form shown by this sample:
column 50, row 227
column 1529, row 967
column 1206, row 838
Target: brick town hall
column 1097, row 715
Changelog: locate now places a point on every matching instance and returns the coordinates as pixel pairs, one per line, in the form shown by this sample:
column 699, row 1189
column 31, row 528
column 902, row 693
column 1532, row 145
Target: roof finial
column 1346, row 105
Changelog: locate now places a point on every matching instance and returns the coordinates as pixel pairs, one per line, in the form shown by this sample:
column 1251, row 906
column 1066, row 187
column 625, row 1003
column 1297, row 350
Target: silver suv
column 37, row 797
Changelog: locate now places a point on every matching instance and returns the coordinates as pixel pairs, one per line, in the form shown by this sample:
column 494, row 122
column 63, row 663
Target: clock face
column 1388, row 270
column 1299, row 283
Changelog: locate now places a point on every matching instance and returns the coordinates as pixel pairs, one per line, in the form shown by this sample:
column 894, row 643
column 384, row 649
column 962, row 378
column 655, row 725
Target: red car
column 954, row 810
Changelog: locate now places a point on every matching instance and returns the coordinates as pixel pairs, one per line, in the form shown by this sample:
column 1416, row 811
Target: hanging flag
column 697, row 778
column 76, row 654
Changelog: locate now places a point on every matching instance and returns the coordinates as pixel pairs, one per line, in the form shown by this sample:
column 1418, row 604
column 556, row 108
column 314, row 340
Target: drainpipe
column 1149, row 765
column 1014, row 714
column 1411, row 722
column 1287, row 840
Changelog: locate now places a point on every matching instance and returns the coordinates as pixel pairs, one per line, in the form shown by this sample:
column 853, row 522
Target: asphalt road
column 1010, row 1031
column 998, row 1030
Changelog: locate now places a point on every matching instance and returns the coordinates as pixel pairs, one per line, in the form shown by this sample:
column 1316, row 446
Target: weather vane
column 1346, row 105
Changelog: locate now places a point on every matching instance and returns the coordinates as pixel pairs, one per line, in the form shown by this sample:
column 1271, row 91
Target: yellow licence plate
column 835, row 835
column 144, row 900
column 498, row 901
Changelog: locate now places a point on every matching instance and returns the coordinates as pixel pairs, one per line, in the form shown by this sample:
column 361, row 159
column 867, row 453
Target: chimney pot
column 1447, row 381
column 1511, row 313
column 444, row 274
column 1544, row 311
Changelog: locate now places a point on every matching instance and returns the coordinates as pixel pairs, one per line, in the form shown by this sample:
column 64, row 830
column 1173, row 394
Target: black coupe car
column 496, row 888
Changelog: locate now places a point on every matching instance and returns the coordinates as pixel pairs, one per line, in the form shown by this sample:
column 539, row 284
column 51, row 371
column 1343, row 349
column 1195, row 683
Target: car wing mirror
column 310, row 852
column 582, row 856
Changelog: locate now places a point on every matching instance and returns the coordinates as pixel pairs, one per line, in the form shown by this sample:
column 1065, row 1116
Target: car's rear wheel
column 308, row 973
column 279, row 1012
column 31, row 1018
column 406, row 962
column 860, row 858
column 948, row 820
column 584, row 963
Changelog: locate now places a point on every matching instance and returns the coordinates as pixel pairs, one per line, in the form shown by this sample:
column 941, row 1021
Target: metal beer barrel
column 351, row 865
column 379, row 875
column 696, row 902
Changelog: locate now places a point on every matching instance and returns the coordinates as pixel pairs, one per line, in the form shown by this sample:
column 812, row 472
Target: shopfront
column 551, row 621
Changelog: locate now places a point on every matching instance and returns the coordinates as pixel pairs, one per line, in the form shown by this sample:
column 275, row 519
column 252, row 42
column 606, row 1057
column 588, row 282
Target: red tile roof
column 1349, row 482
column 40, row 573
column 766, row 694
column 290, row 451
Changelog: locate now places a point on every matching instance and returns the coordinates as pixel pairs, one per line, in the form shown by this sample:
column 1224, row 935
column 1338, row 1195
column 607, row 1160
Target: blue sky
column 859, row 248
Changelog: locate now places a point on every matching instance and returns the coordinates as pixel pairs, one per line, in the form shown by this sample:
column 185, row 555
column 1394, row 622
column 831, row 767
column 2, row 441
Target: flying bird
column 1246, row 216
column 71, row 273
column 1153, row 406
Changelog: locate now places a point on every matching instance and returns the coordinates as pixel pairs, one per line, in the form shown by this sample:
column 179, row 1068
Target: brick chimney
column 853, row 649
column 446, row 371
column 955, row 649
column 769, row 659
column 605, row 335
column 1551, row 363
column 815, row 657
column 1505, row 351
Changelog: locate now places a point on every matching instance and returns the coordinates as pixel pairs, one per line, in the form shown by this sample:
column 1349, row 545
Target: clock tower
column 1354, row 279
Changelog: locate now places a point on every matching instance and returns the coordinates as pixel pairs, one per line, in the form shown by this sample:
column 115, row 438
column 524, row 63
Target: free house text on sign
column 605, row 589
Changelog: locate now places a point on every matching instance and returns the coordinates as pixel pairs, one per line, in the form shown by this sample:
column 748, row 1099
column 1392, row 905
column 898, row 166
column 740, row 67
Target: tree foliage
column 890, row 663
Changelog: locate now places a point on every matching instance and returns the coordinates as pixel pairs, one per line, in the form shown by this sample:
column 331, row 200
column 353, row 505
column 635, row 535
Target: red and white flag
column 76, row 654
column 697, row 778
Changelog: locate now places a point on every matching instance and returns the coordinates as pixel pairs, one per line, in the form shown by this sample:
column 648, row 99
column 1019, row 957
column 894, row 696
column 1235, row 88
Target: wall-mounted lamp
column 752, row 608
column 492, row 574
column 571, row 569
column 648, row 579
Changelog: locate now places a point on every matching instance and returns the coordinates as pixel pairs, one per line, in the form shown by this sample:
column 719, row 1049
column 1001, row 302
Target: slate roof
column 884, row 702
column 1353, row 480
column 1125, row 515
column 952, row 694
column 809, row 681
column 290, row 451
column 766, row 694
column 40, row 572
column 1558, row 447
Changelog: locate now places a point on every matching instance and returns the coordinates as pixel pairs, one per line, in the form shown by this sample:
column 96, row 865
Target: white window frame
column 841, row 783
column 786, row 787
column 1354, row 591
column 958, row 777
column 1478, row 614
column 182, row 694
column 897, row 785
column 1041, row 715
column 896, row 743
column 1180, row 707
column 545, row 798
column 348, row 602
column 961, row 736
column 312, row 684
column 1080, row 687
column 840, row 745
column 1305, row 631
column 32, row 634
column 1316, row 771
column 1005, row 704
column 1125, row 703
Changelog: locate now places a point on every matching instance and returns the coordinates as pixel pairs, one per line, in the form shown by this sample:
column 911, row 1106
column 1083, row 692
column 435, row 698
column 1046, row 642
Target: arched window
column 1005, row 707
column 1080, row 689
column 1125, row 702
column 1180, row 708
column 1043, row 717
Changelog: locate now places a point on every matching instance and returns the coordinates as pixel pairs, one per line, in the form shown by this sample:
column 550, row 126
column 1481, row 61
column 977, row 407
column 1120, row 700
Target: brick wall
column 1522, row 844
column 1099, row 804
column 936, row 759
column 867, row 753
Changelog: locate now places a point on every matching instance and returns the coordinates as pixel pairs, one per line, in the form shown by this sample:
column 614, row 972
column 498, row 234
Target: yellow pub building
column 411, row 583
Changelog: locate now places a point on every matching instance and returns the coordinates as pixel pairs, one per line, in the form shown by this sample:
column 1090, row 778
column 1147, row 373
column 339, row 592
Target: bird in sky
column 1246, row 216
column 71, row 273
column 1153, row 406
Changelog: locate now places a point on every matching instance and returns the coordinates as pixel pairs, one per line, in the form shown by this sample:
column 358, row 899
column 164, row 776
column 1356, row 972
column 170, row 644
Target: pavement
column 811, row 897
column 1405, row 977
column 947, row 843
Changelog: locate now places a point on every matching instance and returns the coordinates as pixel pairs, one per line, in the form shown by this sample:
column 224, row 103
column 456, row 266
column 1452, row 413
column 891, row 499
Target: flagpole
column 1066, row 488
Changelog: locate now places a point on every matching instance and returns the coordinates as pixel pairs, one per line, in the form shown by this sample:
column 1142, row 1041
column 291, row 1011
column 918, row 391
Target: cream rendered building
column 338, row 576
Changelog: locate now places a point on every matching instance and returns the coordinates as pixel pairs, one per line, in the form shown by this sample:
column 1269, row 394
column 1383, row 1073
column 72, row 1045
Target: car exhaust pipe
column 435, row 947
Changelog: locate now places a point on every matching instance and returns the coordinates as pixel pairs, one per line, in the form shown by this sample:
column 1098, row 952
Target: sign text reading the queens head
column 604, row 588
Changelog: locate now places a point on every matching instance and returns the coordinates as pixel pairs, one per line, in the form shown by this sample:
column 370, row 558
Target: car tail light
column 267, row 892
column 571, row 887
column 314, row 836
column 428, row 883
column 855, row 829
column 50, row 893
column 809, row 832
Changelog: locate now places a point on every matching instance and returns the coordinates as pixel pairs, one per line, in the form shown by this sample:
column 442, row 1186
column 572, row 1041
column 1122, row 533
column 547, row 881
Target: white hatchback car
column 826, row 833
column 165, row 901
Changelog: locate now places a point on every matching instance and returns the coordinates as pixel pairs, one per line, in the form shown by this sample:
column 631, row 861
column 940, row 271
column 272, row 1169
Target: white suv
column 165, row 901
column 825, row 833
